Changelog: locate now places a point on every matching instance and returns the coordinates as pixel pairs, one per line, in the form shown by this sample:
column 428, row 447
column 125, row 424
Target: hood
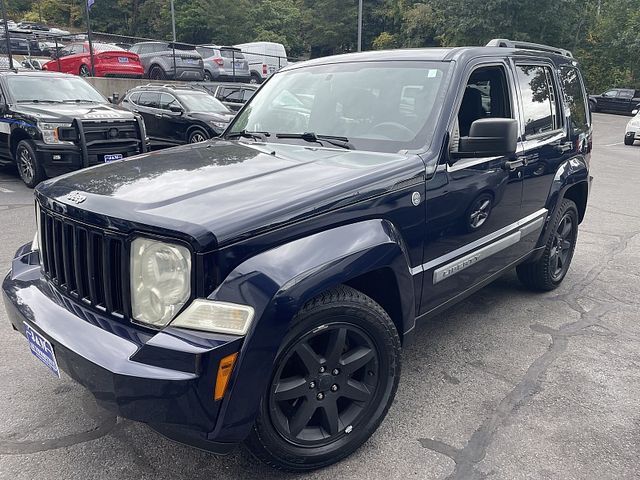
column 67, row 112
column 213, row 117
column 218, row 192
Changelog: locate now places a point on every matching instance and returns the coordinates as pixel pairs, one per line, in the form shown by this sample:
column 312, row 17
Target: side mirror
column 176, row 109
column 635, row 112
column 489, row 137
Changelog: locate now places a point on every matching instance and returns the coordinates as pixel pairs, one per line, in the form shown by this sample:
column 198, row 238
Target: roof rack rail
column 505, row 43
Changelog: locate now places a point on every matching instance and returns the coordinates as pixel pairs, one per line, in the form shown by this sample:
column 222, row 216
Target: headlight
column 50, row 132
column 634, row 123
column 160, row 280
column 219, row 124
column 213, row 316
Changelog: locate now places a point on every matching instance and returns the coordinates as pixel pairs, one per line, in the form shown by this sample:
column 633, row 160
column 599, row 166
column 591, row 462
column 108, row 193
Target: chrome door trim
column 525, row 226
column 451, row 269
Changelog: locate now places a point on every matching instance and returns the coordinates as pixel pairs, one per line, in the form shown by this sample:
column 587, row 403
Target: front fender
column 278, row 282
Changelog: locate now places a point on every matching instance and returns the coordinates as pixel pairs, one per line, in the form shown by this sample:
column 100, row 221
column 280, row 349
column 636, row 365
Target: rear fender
column 278, row 282
column 569, row 174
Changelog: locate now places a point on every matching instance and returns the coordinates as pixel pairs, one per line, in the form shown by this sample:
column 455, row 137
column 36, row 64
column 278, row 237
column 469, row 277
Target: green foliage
column 603, row 34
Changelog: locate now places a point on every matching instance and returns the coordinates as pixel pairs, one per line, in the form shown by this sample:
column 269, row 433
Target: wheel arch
column 17, row 136
column 198, row 126
column 278, row 282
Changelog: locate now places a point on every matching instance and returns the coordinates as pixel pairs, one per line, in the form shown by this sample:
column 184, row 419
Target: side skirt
column 471, row 290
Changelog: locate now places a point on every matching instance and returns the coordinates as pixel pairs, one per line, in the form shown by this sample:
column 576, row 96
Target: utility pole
column 6, row 34
column 88, row 6
column 360, row 25
column 173, row 27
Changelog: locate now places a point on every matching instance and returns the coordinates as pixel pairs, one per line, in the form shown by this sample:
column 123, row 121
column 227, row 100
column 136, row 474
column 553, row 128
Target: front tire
column 593, row 106
column 629, row 139
column 333, row 382
column 29, row 168
column 198, row 135
column 549, row 270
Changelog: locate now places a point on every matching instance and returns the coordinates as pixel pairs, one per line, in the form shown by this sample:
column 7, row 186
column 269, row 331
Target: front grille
column 110, row 133
column 84, row 262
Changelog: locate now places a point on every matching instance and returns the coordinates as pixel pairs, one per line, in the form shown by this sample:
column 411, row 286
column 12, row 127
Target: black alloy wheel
column 324, row 385
column 84, row 71
column 197, row 136
column 562, row 250
column 29, row 169
column 334, row 379
column 548, row 270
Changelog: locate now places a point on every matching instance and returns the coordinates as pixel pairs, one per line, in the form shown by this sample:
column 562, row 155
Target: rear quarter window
column 575, row 97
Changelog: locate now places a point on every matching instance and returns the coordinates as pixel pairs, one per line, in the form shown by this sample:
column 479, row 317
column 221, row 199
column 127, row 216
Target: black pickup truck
column 53, row 123
column 259, row 287
column 616, row 100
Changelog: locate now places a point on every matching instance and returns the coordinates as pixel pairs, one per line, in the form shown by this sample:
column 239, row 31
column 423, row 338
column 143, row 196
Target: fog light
column 213, row 316
column 57, row 157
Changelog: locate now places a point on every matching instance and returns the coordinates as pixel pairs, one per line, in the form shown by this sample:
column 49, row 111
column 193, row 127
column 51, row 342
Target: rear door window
column 149, row 100
column 539, row 107
column 576, row 99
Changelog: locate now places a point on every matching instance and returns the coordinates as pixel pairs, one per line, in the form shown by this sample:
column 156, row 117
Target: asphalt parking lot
column 507, row 385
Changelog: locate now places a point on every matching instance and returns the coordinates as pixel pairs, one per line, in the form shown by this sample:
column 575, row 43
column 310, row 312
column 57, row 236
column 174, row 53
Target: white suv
column 632, row 132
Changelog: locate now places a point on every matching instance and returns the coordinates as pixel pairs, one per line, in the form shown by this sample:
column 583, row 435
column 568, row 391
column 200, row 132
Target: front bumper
column 166, row 379
column 635, row 134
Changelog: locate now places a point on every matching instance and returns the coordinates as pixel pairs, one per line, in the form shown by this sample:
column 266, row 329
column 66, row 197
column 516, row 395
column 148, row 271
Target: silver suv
column 224, row 63
column 157, row 60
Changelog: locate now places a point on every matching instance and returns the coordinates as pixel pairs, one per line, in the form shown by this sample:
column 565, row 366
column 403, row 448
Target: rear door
column 148, row 105
column 473, row 205
column 545, row 142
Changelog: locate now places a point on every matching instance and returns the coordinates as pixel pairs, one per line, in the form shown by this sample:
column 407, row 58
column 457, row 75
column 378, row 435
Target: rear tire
column 255, row 78
column 334, row 379
column 207, row 76
column 84, row 71
column 593, row 106
column 29, row 168
column 157, row 73
column 549, row 270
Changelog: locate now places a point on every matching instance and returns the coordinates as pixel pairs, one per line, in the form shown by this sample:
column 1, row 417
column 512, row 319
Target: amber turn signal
column 224, row 373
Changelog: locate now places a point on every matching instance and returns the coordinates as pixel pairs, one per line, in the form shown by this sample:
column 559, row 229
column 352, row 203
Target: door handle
column 513, row 165
column 157, row 115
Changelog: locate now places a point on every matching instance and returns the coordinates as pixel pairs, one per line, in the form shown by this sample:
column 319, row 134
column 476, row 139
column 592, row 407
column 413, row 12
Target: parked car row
column 53, row 123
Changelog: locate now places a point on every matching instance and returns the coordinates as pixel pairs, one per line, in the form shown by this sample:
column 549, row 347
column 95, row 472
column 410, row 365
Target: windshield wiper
column 342, row 142
column 79, row 100
column 35, row 100
column 247, row 134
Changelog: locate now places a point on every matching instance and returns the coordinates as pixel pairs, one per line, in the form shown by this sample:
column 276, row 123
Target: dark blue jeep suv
column 258, row 288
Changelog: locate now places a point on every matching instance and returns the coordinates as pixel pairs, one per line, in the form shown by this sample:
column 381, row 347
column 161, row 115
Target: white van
column 264, row 58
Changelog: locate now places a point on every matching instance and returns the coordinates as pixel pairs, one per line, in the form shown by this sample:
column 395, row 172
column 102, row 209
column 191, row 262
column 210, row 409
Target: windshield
column 377, row 106
column 52, row 89
column 202, row 103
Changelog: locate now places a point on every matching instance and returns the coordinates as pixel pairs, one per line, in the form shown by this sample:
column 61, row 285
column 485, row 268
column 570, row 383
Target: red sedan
column 109, row 61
